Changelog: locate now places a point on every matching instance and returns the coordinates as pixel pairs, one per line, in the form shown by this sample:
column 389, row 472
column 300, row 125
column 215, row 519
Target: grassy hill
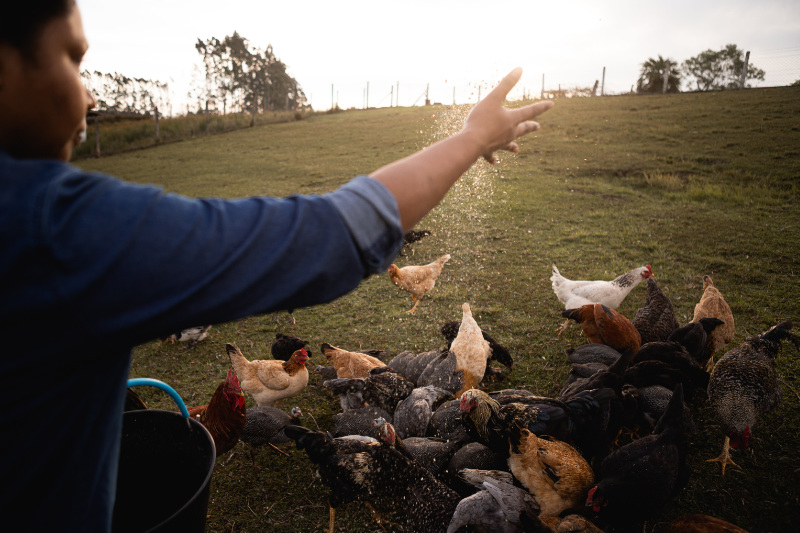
column 691, row 184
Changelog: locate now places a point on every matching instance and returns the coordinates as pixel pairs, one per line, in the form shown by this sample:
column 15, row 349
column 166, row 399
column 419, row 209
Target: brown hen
column 351, row 365
column 552, row 470
column 417, row 280
column 603, row 325
column 713, row 305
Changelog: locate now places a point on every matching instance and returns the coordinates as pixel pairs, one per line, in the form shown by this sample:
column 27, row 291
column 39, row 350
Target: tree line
column 237, row 77
column 117, row 93
column 245, row 78
column 708, row 71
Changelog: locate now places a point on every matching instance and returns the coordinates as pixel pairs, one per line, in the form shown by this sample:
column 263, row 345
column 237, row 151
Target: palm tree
column 651, row 79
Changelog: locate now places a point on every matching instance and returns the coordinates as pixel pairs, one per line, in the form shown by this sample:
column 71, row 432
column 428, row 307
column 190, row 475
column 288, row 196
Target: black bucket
column 165, row 466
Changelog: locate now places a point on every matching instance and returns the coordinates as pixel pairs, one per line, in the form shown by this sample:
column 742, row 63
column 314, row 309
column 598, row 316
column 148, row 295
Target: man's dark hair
column 22, row 21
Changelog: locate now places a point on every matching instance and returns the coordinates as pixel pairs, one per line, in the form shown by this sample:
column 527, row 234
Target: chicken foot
column 416, row 303
column 725, row 456
column 379, row 518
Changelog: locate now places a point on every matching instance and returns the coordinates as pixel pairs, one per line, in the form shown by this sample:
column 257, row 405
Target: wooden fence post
column 208, row 124
column 542, row 96
column 603, row 83
column 744, row 70
column 155, row 112
column 666, row 79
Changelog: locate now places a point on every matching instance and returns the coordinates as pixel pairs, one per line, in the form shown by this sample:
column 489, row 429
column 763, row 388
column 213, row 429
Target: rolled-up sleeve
column 370, row 212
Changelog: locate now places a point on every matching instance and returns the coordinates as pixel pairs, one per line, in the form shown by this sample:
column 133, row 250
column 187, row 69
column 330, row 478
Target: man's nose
column 90, row 100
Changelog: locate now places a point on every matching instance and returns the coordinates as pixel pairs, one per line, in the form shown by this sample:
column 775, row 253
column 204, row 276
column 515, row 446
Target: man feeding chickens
column 89, row 267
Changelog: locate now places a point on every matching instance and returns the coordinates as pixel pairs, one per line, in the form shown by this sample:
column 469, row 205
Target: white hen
column 574, row 294
column 471, row 350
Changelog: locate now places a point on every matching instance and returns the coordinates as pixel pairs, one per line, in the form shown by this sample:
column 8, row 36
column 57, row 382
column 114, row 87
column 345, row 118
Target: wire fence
column 782, row 67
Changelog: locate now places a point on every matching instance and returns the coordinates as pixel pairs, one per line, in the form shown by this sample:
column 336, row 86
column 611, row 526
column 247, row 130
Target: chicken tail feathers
column 622, row 364
column 781, row 332
column 674, row 414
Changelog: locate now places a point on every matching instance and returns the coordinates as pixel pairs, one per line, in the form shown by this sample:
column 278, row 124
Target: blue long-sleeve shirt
column 91, row 266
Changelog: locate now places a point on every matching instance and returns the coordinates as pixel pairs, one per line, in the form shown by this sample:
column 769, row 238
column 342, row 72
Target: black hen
column 696, row 338
column 285, row 345
column 675, row 355
column 637, row 480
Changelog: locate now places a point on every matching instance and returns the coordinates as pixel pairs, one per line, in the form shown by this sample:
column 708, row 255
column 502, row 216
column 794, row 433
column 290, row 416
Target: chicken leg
column 725, row 456
column 332, row 518
column 416, row 303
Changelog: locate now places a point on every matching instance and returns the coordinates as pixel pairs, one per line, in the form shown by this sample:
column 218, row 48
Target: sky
column 379, row 53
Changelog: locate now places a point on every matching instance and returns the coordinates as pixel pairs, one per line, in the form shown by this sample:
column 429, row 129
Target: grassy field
column 691, row 184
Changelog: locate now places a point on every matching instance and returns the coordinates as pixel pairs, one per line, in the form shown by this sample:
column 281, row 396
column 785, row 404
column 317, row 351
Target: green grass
column 691, row 184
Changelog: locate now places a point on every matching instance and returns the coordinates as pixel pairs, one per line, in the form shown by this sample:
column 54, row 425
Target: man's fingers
column 531, row 111
column 500, row 92
column 526, row 127
column 510, row 147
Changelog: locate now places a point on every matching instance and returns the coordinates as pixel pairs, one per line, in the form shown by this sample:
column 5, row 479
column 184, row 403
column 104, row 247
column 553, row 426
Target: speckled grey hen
column 441, row 373
column 496, row 507
column 743, row 386
column 655, row 320
column 264, row 426
column 412, row 416
column 357, row 421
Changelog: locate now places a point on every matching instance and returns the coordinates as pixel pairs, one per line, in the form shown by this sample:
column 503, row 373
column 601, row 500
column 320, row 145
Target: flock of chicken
column 420, row 443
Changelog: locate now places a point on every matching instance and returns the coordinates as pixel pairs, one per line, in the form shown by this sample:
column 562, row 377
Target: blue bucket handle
column 135, row 382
